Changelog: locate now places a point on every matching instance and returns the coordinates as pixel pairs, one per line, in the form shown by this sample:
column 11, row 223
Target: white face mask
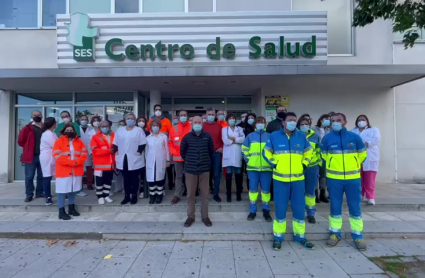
column 96, row 124
column 141, row 124
column 362, row 124
column 66, row 120
column 158, row 113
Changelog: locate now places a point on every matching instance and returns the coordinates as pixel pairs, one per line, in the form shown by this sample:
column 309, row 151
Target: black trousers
column 238, row 181
column 103, row 184
column 156, row 187
column 131, row 179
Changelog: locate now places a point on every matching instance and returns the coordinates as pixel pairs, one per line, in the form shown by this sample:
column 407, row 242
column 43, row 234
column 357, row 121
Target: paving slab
column 324, row 268
column 73, row 274
column 248, row 250
column 112, row 268
column 182, row 267
column 253, row 269
column 218, row 244
column 359, row 265
column 306, row 254
column 128, row 249
column 10, row 247
column 402, row 247
column 376, row 249
column 217, row 260
column 187, row 250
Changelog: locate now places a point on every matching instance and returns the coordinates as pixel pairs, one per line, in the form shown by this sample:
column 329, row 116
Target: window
column 159, row 6
column 90, row 6
column 398, row 37
column 18, row 13
column 50, row 9
column 126, row 6
column 253, row 5
column 110, row 98
column 44, row 98
column 201, row 5
column 339, row 22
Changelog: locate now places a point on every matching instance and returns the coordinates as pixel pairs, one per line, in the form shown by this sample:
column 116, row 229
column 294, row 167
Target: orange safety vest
column 166, row 126
column 64, row 165
column 177, row 133
column 103, row 159
column 222, row 123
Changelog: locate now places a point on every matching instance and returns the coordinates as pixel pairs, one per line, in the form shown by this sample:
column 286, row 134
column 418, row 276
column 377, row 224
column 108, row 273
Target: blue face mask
column 204, row 120
column 304, row 128
column 83, row 123
column 129, row 122
column 197, row 128
column 210, row 119
column 291, row 126
column 337, row 126
column 105, row 130
column 251, row 121
column 260, row 126
column 155, row 129
column 232, row 122
column 183, row 119
column 175, row 121
column 221, row 117
column 326, row 123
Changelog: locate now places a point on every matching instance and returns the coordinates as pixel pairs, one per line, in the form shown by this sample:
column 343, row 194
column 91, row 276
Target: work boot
column 159, row 199
column 333, row 241
column 72, row 210
column 323, row 197
column 189, row 222
column 126, row 200
column 207, row 222
column 311, row 219
column 266, row 215
column 217, row 198
column 251, row 216
column 63, row 215
column 134, row 199
column 317, row 196
column 360, row 244
column 307, row 244
column 277, row 244
column 152, row 199
column 238, row 197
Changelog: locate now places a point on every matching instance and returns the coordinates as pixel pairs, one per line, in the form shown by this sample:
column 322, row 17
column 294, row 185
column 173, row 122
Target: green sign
column 81, row 36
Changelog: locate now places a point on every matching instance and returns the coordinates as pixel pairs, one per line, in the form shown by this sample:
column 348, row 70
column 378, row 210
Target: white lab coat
column 372, row 136
column 157, row 153
column 232, row 152
column 86, row 138
column 47, row 162
column 128, row 143
column 72, row 183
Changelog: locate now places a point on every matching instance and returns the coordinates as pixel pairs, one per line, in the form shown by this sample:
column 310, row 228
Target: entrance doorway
column 193, row 113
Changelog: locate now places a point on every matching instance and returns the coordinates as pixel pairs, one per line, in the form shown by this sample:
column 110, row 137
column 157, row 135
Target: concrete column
column 155, row 98
column 259, row 103
column 6, row 138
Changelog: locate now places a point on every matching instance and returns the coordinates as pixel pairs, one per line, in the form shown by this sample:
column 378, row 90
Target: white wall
column 315, row 99
column 5, row 138
column 28, row 49
column 414, row 55
column 253, row 5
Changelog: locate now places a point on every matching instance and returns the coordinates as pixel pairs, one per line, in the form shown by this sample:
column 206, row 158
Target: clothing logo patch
column 351, row 144
column 297, row 145
column 334, row 146
column 282, row 145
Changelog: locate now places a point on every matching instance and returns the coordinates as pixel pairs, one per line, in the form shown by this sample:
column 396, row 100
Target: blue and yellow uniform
column 259, row 171
column 288, row 155
column 312, row 173
column 344, row 153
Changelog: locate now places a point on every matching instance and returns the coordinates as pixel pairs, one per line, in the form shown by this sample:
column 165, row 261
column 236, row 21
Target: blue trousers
column 30, row 169
column 283, row 191
column 61, row 199
column 311, row 181
column 353, row 190
column 255, row 178
column 47, row 186
column 216, row 169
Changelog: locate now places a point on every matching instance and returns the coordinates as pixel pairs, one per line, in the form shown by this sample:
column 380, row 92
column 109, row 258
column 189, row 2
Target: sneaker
column 217, row 198
column 251, row 216
column 101, row 201
column 333, row 241
column 49, row 201
column 311, row 219
column 266, row 215
column 141, row 195
column 189, row 222
column 277, row 244
column 360, row 244
column 207, row 222
column 81, row 194
column 28, row 199
column 307, row 244
column 371, row 202
column 109, row 200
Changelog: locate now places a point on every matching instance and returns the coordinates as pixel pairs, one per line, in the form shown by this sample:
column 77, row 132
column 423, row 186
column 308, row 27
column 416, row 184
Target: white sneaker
column 111, row 194
column 141, row 196
column 101, row 201
column 109, row 200
column 82, row 194
column 371, row 202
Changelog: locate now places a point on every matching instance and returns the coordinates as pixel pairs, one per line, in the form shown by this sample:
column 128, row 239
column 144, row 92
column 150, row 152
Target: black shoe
column 238, row 197
column 229, row 198
column 40, row 196
column 307, row 244
column 72, row 210
column 251, row 216
column 266, row 215
column 217, row 198
column 126, row 200
column 134, row 199
column 28, row 199
column 277, row 244
column 49, row 201
column 152, row 199
column 317, row 196
column 63, row 215
column 159, row 199
column 185, row 192
column 323, row 197
column 311, row 219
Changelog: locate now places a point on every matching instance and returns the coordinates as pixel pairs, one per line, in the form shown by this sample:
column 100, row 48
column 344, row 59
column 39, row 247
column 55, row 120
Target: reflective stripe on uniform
column 103, row 166
column 287, row 151
column 288, row 175
column 176, row 143
column 333, row 172
column 254, row 154
column 341, row 152
column 308, row 148
column 177, row 157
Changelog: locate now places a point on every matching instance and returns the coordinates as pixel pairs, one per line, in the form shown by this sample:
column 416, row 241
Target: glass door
column 88, row 111
column 116, row 114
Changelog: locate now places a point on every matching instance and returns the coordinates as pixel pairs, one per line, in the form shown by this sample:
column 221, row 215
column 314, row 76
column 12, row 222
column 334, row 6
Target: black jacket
column 274, row 125
column 197, row 151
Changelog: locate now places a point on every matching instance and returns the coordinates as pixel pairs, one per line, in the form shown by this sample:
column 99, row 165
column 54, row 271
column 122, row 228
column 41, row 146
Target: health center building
column 111, row 57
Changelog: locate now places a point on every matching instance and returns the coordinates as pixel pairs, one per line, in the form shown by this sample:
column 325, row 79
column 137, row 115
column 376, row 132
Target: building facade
column 110, row 57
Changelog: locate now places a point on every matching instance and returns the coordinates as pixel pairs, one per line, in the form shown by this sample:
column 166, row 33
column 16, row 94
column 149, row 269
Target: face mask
column 36, row 119
column 66, row 120
column 291, row 126
column 304, row 128
column 337, row 126
column 96, row 124
column 197, row 128
column 83, row 123
column 204, row 120
column 130, row 122
column 326, row 123
column 175, row 121
column 281, row 115
column 260, row 126
column 155, row 129
column 361, row 124
column 183, row 119
column 122, row 124
column 210, row 119
column 221, row 117
column 70, row 134
column 105, row 130
column 251, row 121
column 158, row 113
column 232, row 122
column 243, row 119
column 141, row 124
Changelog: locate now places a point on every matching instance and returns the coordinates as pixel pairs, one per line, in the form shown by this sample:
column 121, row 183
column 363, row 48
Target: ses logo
column 81, row 36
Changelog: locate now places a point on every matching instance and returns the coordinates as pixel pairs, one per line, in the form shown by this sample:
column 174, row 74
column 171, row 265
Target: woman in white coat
column 157, row 161
column 128, row 145
column 47, row 162
column 87, row 132
column 371, row 138
column 233, row 138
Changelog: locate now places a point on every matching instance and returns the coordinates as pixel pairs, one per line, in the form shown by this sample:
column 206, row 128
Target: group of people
column 287, row 158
